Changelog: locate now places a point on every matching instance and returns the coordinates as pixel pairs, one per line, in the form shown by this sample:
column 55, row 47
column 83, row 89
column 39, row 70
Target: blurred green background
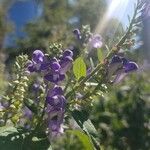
column 122, row 116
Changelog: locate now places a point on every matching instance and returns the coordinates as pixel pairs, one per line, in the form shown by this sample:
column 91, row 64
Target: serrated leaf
column 83, row 138
column 100, row 54
column 79, row 68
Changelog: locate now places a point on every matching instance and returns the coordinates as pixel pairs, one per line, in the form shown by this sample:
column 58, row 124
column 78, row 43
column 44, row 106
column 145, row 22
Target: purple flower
column 54, row 77
column 66, row 61
column 55, row 97
column 116, row 59
column 39, row 62
column 77, row 33
column 31, row 66
column 95, row 41
column 120, row 67
column 57, row 101
column 54, row 65
column 1, row 107
column 130, row 66
column 68, row 52
column 59, row 67
column 38, row 56
column 54, row 71
column 57, row 90
column 55, row 109
column 55, row 121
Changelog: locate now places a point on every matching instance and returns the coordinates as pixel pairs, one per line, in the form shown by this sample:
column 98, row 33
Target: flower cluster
column 53, row 71
column 120, row 67
column 93, row 41
column 55, row 109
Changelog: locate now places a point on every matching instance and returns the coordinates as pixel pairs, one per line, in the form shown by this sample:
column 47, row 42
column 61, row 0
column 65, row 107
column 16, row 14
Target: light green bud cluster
column 18, row 90
column 55, row 49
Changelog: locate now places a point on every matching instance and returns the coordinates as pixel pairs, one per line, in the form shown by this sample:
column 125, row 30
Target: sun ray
column 115, row 8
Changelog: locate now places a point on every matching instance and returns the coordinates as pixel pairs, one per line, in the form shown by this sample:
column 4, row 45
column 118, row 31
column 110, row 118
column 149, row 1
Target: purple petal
column 77, row 33
column 31, row 67
column 45, row 66
column 56, row 101
column 55, row 78
column 124, row 61
column 95, row 41
column 116, row 59
column 38, row 56
column 52, row 78
column 55, row 66
column 66, row 63
column 67, row 53
column 130, row 66
column 54, row 123
column 1, row 106
column 61, row 77
column 57, row 90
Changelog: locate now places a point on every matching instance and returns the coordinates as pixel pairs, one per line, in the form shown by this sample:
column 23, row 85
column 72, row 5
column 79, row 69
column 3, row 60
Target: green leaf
column 79, row 68
column 100, row 54
column 81, row 117
column 19, row 139
column 83, row 138
column 31, row 105
column 50, row 148
column 11, row 138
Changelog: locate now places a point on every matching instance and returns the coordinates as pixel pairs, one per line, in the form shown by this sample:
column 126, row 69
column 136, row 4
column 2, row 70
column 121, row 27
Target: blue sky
column 20, row 13
column 24, row 11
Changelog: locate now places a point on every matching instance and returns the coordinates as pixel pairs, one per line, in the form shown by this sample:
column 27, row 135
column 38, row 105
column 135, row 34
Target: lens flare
column 116, row 8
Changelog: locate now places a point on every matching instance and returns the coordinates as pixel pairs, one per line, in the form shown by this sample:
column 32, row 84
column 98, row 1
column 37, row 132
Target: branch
column 113, row 51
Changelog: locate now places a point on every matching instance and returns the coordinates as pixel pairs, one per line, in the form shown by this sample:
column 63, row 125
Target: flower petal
column 38, row 56
column 130, row 66
column 95, row 41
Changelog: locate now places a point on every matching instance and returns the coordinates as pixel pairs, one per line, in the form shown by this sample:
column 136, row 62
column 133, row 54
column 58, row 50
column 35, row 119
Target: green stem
column 113, row 51
column 68, row 82
column 84, row 80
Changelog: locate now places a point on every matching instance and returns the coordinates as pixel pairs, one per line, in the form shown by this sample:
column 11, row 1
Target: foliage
column 53, row 89
column 121, row 116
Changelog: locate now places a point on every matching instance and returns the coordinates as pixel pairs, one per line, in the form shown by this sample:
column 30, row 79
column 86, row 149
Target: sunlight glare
column 115, row 8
